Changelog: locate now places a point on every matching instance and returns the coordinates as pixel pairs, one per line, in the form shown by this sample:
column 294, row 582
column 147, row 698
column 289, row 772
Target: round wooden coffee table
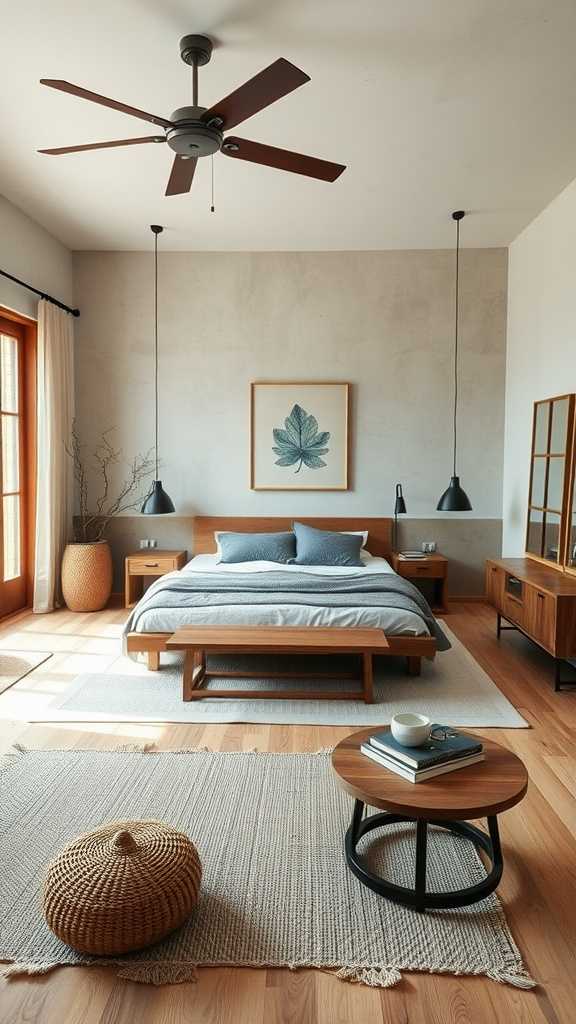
column 481, row 790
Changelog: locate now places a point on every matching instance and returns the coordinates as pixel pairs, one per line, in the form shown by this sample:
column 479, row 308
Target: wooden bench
column 197, row 642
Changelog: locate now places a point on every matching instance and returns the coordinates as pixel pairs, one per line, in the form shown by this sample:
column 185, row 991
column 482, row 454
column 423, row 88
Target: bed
column 206, row 592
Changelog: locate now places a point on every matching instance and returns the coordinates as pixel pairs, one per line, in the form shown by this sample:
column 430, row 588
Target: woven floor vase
column 87, row 576
column 122, row 887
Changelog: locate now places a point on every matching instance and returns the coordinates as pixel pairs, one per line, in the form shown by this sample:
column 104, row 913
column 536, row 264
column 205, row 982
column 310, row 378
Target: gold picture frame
column 299, row 429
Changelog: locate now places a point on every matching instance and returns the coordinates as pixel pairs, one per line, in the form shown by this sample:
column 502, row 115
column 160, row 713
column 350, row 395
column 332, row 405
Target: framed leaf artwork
column 299, row 435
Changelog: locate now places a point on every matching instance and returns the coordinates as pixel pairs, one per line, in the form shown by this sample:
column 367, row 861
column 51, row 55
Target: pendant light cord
column 456, row 343
column 156, row 350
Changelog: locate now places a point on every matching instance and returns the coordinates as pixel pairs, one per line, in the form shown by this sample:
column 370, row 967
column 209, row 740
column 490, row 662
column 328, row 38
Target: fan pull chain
column 212, row 169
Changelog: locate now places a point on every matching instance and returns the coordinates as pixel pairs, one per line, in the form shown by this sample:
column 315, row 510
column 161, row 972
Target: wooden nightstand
column 148, row 562
column 430, row 567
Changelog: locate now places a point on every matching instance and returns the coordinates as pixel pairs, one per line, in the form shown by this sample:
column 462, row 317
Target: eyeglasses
column 443, row 733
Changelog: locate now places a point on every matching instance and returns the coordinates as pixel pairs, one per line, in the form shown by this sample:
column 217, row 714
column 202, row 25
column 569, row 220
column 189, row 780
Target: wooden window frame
column 28, row 451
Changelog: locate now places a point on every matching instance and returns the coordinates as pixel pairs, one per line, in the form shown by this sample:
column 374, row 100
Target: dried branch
column 91, row 526
column 105, row 456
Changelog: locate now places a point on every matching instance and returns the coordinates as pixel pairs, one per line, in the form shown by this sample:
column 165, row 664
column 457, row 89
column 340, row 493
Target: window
column 11, row 456
column 17, row 348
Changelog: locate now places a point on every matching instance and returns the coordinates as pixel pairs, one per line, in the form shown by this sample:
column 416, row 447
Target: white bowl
column 411, row 730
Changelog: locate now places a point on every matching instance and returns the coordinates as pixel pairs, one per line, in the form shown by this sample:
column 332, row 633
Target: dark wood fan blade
column 94, row 97
column 283, row 159
column 181, row 175
column 265, row 88
column 103, row 145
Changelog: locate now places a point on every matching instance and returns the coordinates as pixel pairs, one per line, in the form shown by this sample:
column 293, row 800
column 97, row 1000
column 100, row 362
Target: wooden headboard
column 379, row 529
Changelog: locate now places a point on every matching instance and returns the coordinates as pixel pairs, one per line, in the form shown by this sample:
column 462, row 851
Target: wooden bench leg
column 414, row 665
column 153, row 661
column 193, row 672
column 367, row 679
column 187, row 673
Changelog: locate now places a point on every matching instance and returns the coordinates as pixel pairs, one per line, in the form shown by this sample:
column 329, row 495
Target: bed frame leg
column 414, row 665
column 153, row 661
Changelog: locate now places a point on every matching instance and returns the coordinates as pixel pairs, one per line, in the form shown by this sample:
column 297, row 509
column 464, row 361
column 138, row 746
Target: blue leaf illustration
column 300, row 442
column 281, row 436
column 313, row 461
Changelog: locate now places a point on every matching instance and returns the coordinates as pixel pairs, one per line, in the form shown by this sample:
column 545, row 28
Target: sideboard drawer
column 513, row 610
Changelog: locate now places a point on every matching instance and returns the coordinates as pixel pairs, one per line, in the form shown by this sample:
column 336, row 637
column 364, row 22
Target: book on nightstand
column 416, row 764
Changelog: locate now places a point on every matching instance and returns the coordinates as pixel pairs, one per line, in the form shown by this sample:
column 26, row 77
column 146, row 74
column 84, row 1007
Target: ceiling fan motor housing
column 196, row 49
column 191, row 136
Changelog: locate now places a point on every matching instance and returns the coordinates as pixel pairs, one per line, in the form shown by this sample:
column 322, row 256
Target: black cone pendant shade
column 157, row 502
column 455, row 498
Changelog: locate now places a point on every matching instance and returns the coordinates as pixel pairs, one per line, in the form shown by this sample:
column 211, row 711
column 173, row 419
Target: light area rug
column 452, row 689
column 275, row 892
column 14, row 665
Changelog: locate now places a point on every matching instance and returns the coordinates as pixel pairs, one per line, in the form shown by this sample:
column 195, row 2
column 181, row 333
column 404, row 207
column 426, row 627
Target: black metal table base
column 418, row 897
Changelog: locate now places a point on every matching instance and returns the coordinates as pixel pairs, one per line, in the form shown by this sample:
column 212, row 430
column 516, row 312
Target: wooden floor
column 539, row 840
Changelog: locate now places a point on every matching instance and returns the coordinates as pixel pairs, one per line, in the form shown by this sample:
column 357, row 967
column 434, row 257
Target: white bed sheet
column 210, row 563
column 394, row 621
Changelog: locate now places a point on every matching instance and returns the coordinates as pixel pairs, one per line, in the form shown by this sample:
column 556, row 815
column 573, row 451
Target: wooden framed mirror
column 570, row 553
column 551, row 521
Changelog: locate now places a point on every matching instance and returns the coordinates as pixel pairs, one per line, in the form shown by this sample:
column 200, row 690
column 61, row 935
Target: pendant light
column 455, row 498
column 157, row 503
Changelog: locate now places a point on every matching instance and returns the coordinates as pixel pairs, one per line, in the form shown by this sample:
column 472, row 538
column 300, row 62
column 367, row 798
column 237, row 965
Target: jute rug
column 275, row 888
column 452, row 689
column 14, row 665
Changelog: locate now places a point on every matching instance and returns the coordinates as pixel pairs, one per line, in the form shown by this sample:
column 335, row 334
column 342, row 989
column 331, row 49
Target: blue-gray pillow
column 257, row 547
column 323, row 547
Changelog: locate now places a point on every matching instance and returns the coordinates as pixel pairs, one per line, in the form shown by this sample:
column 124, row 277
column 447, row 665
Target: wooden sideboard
column 538, row 601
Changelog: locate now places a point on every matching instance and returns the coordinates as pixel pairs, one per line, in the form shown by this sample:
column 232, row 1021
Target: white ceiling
column 432, row 104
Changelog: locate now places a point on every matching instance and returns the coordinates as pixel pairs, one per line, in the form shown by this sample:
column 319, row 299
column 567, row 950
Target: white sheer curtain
column 54, row 478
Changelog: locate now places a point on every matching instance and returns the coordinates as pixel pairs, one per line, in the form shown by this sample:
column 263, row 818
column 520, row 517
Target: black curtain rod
column 43, row 295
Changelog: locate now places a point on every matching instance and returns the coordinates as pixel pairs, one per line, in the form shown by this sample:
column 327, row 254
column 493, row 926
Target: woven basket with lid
column 124, row 886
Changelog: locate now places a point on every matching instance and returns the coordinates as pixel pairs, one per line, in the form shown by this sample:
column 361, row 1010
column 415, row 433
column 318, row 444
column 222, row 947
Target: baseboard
column 7, row 620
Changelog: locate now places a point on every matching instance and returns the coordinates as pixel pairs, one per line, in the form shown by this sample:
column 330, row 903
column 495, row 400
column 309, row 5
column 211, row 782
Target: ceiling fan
column 195, row 131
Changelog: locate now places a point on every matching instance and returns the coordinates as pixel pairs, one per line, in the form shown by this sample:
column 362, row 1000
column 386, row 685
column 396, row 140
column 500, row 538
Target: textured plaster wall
column 28, row 252
column 383, row 321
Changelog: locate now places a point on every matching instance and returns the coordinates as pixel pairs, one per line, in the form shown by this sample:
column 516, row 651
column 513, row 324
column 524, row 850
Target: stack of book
column 417, row 764
column 412, row 556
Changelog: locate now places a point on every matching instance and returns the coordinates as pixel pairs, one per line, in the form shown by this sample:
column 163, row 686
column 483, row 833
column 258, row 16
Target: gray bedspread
column 204, row 590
